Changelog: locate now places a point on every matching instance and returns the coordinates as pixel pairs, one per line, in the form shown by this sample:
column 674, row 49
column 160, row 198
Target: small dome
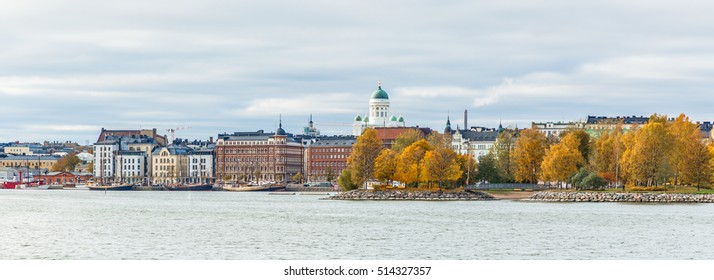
column 358, row 118
column 366, row 119
column 379, row 93
column 393, row 119
column 401, row 119
column 280, row 131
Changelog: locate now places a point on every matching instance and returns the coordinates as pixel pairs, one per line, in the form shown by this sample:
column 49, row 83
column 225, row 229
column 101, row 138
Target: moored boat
column 125, row 187
column 254, row 188
column 194, row 187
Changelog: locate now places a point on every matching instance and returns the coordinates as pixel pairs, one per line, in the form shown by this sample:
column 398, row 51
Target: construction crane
column 173, row 130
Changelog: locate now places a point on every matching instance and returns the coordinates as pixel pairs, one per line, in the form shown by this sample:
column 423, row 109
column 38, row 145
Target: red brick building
column 63, row 178
column 327, row 157
column 388, row 134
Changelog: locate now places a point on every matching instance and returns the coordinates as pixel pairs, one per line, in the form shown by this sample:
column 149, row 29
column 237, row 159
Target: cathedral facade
column 379, row 115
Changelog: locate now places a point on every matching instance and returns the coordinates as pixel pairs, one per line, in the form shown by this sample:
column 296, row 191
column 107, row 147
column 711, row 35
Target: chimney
column 466, row 119
column 210, row 139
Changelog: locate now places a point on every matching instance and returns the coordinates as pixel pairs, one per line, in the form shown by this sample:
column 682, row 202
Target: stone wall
column 407, row 195
column 621, row 197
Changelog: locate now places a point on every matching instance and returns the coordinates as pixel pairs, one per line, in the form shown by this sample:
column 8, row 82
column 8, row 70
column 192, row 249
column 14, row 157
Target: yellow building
column 169, row 165
column 18, row 150
column 41, row 162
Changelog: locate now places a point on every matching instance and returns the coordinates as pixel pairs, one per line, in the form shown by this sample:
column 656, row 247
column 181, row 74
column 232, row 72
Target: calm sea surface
column 46, row 224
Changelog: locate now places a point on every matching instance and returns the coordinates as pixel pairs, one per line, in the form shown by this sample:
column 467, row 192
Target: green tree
column 385, row 166
column 502, row 150
column 329, row 174
column 528, row 154
column 440, row 165
column 407, row 138
column 364, row 152
column 487, row 170
column 345, row 180
column 468, row 167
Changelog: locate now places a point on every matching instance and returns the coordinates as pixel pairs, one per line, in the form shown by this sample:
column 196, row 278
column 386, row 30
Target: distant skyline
column 69, row 68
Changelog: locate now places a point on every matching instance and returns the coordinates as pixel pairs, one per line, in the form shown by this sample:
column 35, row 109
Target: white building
column 556, row 128
column 200, row 166
column 104, row 156
column 474, row 142
column 131, row 166
column 379, row 115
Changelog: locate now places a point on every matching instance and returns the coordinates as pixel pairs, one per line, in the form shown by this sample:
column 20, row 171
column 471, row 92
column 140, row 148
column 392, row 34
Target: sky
column 69, row 68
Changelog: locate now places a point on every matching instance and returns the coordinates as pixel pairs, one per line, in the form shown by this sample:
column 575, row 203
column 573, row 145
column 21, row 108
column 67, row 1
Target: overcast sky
column 69, row 68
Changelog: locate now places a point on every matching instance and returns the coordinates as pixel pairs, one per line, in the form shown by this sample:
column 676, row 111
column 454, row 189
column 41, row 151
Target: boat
column 124, row 187
column 194, row 187
column 75, row 187
column 267, row 187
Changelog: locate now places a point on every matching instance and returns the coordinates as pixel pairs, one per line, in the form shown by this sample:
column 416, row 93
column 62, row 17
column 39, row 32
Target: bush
column 647, row 189
column 345, row 180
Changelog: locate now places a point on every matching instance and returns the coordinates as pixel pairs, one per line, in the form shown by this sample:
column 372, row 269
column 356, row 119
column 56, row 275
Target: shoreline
column 411, row 195
column 548, row 196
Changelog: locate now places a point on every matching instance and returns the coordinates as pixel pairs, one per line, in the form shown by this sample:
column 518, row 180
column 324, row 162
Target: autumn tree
column 562, row 160
column 608, row 149
column 699, row 169
column 583, row 140
column 297, row 177
column 364, row 151
column 439, row 140
column 440, row 165
column 647, row 155
column 528, row 154
column 90, row 168
column 406, row 138
column 409, row 161
column 685, row 140
column 66, row 163
column 468, row 167
column 385, row 166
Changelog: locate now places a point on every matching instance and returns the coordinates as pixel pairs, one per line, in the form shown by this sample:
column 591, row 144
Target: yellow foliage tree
column 385, row 166
column 440, row 165
column 364, row 152
column 697, row 167
column 408, row 163
column 406, row 138
column 562, row 159
column 685, row 140
column 646, row 160
column 528, row 155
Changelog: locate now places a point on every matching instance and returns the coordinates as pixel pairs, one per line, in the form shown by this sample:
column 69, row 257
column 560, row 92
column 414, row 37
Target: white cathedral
column 378, row 113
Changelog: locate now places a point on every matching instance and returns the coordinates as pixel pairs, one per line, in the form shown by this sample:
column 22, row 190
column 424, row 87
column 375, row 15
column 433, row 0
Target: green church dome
column 358, row 118
column 401, row 119
column 379, row 93
column 393, row 119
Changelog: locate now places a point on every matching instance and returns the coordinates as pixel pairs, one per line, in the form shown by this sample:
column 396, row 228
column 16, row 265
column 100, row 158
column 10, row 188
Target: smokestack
column 466, row 119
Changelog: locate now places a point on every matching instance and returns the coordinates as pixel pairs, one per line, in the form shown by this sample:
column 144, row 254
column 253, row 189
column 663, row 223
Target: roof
column 30, row 158
column 479, row 135
column 379, row 93
column 391, row 133
column 173, row 150
column 335, row 142
column 615, row 120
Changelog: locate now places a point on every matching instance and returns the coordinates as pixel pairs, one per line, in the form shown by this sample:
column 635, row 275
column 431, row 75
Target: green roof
column 394, row 118
column 379, row 93
column 358, row 118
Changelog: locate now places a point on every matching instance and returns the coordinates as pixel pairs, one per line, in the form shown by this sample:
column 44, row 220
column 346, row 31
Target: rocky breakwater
column 408, row 195
column 622, row 197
